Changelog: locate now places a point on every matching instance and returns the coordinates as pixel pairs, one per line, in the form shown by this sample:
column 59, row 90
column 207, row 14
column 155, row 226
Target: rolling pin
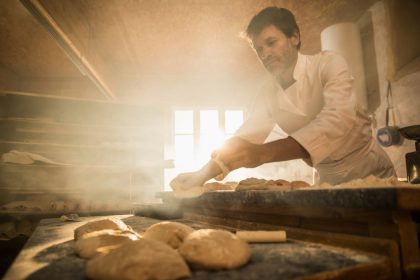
column 262, row 236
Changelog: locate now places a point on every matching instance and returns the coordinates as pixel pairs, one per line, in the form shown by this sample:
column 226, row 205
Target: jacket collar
column 299, row 67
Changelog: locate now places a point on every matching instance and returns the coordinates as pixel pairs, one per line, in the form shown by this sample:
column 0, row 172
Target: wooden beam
column 75, row 55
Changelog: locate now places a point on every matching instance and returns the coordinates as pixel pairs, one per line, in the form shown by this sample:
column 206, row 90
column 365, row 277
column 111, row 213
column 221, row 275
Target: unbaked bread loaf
column 102, row 242
column 139, row 260
column 215, row 249
column 108, row 223
column 171, row 233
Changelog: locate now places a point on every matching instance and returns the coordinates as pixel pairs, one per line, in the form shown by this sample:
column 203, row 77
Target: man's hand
column 237, row 153
column 188, row 180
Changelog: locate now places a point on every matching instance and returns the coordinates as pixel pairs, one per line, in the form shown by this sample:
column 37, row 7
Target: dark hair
column 281, row 18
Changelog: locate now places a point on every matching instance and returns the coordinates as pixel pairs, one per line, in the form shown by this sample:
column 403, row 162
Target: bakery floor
column 49, row 254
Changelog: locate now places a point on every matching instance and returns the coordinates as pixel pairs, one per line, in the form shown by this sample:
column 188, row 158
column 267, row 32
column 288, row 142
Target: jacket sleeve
column 328, row 130
column 259, row 122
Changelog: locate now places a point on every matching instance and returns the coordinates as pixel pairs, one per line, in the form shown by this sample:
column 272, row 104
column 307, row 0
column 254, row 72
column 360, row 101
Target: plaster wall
column 405, row 91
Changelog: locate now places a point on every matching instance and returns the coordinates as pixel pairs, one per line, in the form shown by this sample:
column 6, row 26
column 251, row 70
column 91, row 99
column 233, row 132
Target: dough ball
column 171, row 233
column 189, row 192
column 181, row 191
column 109, row 223
column 232, row 184
column 278, row 185
column 139, row 260
column 299, row 184
column 251, row 184
column 103, row 241
column 216, row 186
column 263, row 185
column 214, row 249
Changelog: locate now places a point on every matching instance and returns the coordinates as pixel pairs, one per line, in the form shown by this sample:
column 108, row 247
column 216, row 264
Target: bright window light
column 193, row 149
column 209, row 121
column 184, row 122
column 184, row 149
column 233, row 120
column 184, row 139
column 211, row 136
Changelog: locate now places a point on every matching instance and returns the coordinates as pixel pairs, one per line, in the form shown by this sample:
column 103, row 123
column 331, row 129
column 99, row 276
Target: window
column 184, row 138
column 210, row 135
column 196, row 133
column 233, row 120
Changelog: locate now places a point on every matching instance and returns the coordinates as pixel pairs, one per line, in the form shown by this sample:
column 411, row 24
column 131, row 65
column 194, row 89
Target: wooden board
column 372, row 212
column 373, row 198
column 49, row 255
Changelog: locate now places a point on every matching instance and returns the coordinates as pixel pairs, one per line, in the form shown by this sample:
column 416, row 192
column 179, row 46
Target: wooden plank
column 335, row 225
column 105, row 180
column 142, row 156
column 409, row 198
column 49, row 254
column 324, row 223
column 355, row 215
column 379, row 270
column 54, row 215
column 374, row 245
column 408, row 240
column 72, row 51
column 368, row 199
column 147, row 156
column 80, row 111
column 50, row 126
column 383, row 230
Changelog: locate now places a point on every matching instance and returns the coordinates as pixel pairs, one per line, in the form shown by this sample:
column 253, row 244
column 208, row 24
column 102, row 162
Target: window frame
column 170, row 141
column 196, row 122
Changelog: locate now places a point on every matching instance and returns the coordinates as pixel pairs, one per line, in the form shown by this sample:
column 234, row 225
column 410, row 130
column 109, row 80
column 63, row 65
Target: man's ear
column 295, row 38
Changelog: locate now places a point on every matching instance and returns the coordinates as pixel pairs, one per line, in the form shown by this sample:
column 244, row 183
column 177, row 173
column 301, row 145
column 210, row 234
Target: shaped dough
column 109, row 223
column 278, row 185
column 188, row 193
column 217, row 186
column 103, row 241
column 171, row 233
column 299, row 184
column 139, row 260
column 253, row 184
column 214, row 249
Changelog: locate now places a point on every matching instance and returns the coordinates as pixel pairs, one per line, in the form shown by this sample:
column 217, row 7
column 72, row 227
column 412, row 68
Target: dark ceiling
column 149, row 48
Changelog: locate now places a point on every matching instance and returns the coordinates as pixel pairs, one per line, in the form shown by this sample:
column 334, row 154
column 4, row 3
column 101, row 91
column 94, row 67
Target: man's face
column 276, row 51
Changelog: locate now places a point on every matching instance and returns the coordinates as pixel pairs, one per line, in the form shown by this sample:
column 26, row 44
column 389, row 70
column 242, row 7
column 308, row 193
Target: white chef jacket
column 319, row 111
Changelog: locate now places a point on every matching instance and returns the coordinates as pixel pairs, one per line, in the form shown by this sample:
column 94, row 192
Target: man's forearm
column 282, row 150
column 209, row 171
column 251, row 155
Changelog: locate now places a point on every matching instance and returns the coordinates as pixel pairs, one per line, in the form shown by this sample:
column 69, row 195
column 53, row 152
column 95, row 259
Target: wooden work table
column 353, row 233
column 49, row 254
column 381, row 220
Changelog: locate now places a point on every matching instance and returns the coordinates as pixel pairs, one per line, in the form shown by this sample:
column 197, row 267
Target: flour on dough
column 254, row 184
column 278, row 185
column 171, row 233
column 139, row 260
column 217, row 186
column 188, row 193
column 109, row 223
column 369, row 182
column 102, row 242
column 214, row 249
column 299, row 184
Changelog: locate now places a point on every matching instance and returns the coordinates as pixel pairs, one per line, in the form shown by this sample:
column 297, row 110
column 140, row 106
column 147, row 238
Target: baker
column 312, row 98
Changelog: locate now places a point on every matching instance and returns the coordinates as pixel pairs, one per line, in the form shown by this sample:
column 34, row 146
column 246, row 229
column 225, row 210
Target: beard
column 282, row 62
